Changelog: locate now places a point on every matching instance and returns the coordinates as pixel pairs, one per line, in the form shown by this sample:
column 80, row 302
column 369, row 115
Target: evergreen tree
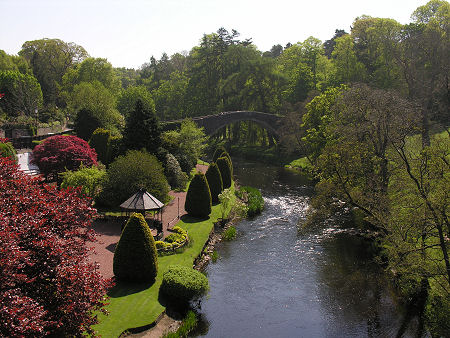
column 135, row 258
column 100, row 141
column 142, row 129
column 198, row 197
column 225, row 171
column 215, row 181
column 85, row 123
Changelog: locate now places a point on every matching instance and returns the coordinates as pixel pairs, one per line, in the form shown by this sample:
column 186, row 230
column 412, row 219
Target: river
column 273, row 281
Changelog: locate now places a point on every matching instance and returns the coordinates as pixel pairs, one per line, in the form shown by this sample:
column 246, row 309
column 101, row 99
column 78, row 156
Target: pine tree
column 142, row 129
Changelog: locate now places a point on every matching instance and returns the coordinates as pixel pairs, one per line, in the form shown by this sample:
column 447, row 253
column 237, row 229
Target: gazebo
column 143, row 201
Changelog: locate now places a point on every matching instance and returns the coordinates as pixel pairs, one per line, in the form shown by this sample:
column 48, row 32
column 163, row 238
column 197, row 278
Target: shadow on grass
column 122, row 289
column 175, row 309
column 191, row 219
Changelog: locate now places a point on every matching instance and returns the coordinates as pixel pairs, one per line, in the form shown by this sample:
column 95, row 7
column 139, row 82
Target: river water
column 273, row 281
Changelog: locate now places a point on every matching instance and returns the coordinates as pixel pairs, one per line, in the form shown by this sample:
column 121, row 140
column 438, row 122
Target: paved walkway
column 23, row 160
column 108, row 232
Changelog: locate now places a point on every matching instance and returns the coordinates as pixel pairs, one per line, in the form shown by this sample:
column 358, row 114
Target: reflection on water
column 274, row 282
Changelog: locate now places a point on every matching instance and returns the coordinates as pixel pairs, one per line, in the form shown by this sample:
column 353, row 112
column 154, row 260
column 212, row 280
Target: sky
column 129, row 32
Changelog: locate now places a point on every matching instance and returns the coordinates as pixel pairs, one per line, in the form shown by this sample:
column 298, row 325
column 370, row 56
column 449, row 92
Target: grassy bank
column 137, row 305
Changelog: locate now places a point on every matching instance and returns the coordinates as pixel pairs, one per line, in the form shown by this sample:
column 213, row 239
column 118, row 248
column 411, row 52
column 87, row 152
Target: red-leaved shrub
column 58, row 153
column 47, row 284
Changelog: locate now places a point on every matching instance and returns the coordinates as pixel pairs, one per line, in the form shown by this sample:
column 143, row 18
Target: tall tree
column 142, row 129
column 50, row 59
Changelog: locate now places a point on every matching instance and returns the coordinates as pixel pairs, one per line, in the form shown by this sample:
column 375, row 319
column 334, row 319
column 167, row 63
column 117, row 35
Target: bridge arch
column 213, row 123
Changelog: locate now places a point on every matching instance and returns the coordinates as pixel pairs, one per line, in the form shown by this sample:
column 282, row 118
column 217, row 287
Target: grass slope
column 136, row 305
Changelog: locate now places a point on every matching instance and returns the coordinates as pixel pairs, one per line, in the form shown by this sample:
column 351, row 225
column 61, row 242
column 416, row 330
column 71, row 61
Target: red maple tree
column 48, row 285
column 58, row 153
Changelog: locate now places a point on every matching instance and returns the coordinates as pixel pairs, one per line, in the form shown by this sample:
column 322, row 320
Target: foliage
column 90, row 180
column 225, row 171
column 22, row 94
column 100, row 140
column 214, row 181
column 229, row 234
column 254, row 199
column 225, row 198
column 86, row 123
column 142, row 129
column 135, row 257
column 175, row 176
column 187, row 144
column 183, row 283
column 89, row 71
column 48, row 284
column 131, row 172
column 128, row 98
column 198, row 197
column 100, row 101
column 7, row 149
column 50, row 59
column 219, row 151
column 59, row 153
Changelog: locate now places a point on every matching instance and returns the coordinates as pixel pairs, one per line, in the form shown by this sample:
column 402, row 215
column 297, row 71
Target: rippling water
column 274, row 282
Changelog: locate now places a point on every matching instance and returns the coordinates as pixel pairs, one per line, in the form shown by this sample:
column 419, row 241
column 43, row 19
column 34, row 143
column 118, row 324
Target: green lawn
column 132, row 306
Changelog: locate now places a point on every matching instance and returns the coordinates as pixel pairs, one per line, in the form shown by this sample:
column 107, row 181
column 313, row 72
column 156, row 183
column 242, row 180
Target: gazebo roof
column 142, row 200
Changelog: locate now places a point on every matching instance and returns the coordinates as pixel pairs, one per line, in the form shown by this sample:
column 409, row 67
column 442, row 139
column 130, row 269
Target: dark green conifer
column 225, row 171
column 215, row 181
column 135, row 258
column 219, row 151
column 198, row 197
column 142, row 129
column 100, row 142
column 225, row 154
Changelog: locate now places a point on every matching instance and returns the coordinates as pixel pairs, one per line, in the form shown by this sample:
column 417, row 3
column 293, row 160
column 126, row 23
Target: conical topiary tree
column 214, row 181
column 225, row 154
column 198, row 197
column 219, row 151
column 135, row 258
column 225, row 171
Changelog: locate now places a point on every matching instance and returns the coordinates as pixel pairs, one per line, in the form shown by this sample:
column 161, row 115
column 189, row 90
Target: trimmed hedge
column 198, row 197
column 214, row 181
column 225, row 154
column 135, row 258
column 218, row 153
column 225, row 171
column 184, row 284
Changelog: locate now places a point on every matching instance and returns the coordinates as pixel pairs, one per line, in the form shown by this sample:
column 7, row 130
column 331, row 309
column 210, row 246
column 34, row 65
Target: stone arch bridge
column 213, row 123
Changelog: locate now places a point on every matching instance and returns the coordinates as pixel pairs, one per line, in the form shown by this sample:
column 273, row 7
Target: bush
column 131, row 172
column 184, row 284
column 135, row 258
column 59, row 153
column 35, row 143
column 218, row 152
column 229, row 234
column 225, row 171
column 198, row 198
column 7, row 150
column 255, row 201
column 214, row 181
column 187, row 163
column 100, row 142
column 90, row 180
column 176, row 177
